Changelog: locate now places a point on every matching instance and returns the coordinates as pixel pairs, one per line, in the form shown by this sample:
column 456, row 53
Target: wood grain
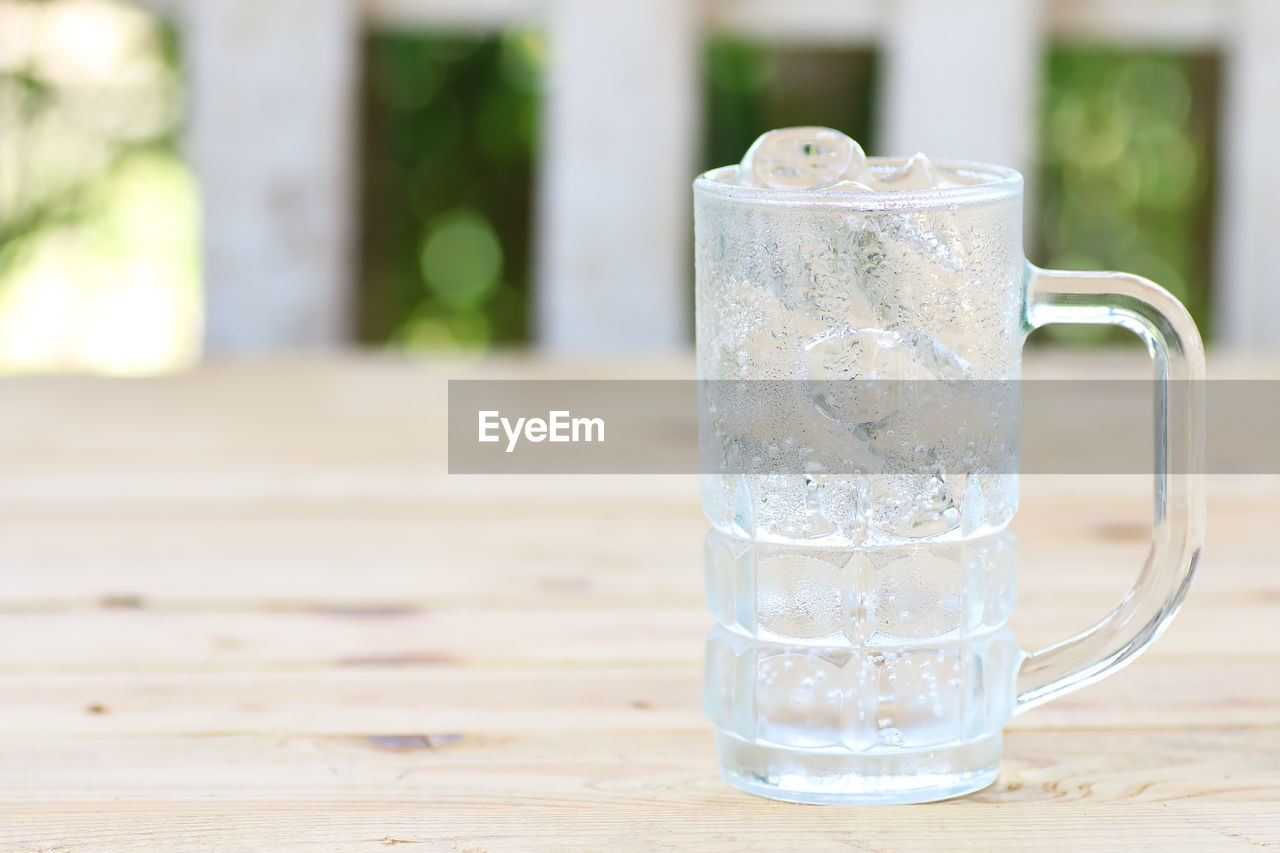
column 245, row 609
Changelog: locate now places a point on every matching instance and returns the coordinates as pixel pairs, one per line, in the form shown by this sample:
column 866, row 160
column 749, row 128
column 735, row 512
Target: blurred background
column 188, row 177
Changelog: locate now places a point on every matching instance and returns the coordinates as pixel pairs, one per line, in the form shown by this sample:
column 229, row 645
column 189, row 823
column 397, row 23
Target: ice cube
column 800, row 158
column 869, row 354
column 921, row 173
column 959, row 178
column 925, row 358
column 918, row 173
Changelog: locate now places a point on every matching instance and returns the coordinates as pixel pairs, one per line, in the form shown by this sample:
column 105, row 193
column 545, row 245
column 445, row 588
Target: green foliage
column 449, row 139
column 752, row 88
column 449, row 128
column 1126, row 170
column 1124, row 176
column 99, row 261
column 60, row 152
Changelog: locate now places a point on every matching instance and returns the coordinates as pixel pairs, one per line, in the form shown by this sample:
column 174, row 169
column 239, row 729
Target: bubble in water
column 802, row 158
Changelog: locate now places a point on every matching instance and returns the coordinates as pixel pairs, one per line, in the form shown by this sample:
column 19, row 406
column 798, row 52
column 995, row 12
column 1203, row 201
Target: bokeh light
column 448, row 171
column 461, row 258
column 1126, row 167
column 98, row 214
column 752, row 87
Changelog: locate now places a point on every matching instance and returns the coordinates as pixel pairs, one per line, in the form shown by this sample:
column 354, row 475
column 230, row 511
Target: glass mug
column 861, row 653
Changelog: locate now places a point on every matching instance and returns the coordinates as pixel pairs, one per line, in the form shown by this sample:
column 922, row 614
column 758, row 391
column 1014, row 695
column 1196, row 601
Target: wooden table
column 247, row 608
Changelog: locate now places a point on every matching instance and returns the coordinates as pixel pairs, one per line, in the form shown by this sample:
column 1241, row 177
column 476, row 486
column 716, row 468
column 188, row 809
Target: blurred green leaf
column 1125, row 170
column 445, row 214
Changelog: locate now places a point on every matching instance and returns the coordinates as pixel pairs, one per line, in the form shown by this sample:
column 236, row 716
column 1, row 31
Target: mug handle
column 1151, row 312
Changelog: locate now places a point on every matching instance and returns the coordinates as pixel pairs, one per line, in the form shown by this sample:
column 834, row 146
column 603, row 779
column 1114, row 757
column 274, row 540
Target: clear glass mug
column 861, row 653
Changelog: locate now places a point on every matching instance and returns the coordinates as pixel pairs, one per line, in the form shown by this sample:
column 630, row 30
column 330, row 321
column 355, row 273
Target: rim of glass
column 1006, row 182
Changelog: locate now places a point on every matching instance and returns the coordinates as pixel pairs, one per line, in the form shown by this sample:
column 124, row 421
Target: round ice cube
column 802, row 158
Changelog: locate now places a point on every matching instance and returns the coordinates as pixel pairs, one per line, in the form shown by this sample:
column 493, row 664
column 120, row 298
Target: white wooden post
column 1247, row 284
column 961, row 80
column 616, row 165
column 1141, row 23
column 468, row 16
column 272, row 128
column 830, row 23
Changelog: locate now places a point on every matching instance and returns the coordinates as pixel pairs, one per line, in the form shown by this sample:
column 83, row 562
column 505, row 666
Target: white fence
column 274, row 123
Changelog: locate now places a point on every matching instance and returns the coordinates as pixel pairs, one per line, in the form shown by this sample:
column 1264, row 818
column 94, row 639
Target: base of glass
column 840, row 777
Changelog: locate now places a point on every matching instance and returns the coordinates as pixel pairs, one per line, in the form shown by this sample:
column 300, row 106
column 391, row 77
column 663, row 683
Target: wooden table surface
column 247, row 607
